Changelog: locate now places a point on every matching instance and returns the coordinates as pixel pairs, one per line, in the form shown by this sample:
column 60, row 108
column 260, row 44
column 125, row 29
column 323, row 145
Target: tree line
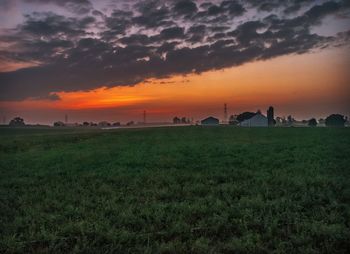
column 333, row 120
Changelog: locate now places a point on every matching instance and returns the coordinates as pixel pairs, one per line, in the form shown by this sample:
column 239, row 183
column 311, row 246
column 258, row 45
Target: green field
column 175, row 190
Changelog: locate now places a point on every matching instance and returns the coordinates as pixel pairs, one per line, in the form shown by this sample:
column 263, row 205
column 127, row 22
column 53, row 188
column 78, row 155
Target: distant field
column 175, row 190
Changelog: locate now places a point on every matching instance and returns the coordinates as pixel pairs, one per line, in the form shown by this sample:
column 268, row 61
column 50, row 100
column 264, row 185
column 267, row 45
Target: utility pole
column 225, row 113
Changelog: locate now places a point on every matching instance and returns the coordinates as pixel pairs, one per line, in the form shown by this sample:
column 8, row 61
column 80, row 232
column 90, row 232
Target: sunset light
column 175, row 126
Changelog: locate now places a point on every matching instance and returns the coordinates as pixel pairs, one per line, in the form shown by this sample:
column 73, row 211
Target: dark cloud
column 319, row 11
column 196, row 34
column 155, row 39
column 49, row 97
column 76, row 6
column 197, row 29
column 44, row 37
column 51, row 24
column 233, row 7
column 140, row 39
column 247, row 32
column 172, row 33
column 6, row 5
column 116, row 24
column 153, row 14
column 185, row 7
column 214, row 10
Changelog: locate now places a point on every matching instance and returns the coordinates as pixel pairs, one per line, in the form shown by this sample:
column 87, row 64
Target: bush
column 312, row 122
column 335, row 120
column 17, row 122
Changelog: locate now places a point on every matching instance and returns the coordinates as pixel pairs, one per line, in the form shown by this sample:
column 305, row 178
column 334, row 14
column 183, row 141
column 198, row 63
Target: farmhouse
column 210, row 121
column 258, row 120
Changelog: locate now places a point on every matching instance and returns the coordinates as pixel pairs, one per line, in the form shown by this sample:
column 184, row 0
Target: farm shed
column 210, row 121
column 258, row 120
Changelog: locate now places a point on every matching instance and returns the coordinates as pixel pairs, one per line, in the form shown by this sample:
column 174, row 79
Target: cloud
column 6, row 5
column 185, row 7
column 153, row 14
column 44, row 37
column 172, row 33
column 154, row 39
column 48, row 97
column 51, row 24
column 76, row 6
column 319, row 11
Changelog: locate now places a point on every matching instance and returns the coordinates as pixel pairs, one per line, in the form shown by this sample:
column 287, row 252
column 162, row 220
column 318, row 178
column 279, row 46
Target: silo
column 270, row 116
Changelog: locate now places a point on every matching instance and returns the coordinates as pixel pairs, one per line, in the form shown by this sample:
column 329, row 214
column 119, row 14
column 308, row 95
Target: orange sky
column 315, row 84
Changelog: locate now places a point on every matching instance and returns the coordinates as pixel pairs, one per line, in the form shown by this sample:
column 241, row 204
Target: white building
column 258, row 120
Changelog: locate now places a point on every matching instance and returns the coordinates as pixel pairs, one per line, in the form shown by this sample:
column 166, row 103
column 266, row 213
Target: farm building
column 258, row 120
column 210, row 121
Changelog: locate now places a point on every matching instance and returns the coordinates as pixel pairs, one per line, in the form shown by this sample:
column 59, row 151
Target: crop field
column 175, row 190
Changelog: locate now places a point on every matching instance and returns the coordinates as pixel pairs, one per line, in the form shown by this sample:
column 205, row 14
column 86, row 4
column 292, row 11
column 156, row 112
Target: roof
column 257, row 120
column 210, row 120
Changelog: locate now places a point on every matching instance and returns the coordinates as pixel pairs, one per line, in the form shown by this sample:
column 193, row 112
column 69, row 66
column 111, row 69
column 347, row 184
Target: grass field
column 175, row 190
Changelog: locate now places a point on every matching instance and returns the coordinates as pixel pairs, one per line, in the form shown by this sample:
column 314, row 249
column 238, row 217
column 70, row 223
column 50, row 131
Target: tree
column 312, row 122
column 176, row 120
column 58, row 124
column 233, row 120
column 183, row 120
column 290, row 119
column 17, row 122
column 104, row 124
column 116, row 124
column 86, row 123
column 335, row 120
column 245, row 116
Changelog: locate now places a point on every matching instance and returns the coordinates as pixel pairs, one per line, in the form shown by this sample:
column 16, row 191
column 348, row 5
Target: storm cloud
column 89, row 48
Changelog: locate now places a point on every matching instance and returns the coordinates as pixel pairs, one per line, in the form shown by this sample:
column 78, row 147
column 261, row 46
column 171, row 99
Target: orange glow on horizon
column 289, row 81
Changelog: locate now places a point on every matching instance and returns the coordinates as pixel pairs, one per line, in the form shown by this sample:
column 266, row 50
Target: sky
column 113, row 59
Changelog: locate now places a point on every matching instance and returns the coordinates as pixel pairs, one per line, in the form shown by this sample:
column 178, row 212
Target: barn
column 258, row 120
column 210, row 121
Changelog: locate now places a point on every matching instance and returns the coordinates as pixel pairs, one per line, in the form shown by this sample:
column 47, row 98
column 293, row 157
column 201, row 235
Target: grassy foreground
column 175, row 190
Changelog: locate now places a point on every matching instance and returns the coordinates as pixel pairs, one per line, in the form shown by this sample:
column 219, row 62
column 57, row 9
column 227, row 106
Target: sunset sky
column 113, row 59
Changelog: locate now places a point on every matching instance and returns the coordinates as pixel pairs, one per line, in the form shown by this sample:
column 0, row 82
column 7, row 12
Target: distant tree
column 130, row 123
column 184, row 120
column 58, row 124
column 176, row 120
column 86, row 124
column 104, row 124
column 17, row 122
column 335, row 120
column 233, row 120
column 280, row 121
column 116, row 124
column 312, row 122
column 290, row 119
column 321, row 121
column 244, row 116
